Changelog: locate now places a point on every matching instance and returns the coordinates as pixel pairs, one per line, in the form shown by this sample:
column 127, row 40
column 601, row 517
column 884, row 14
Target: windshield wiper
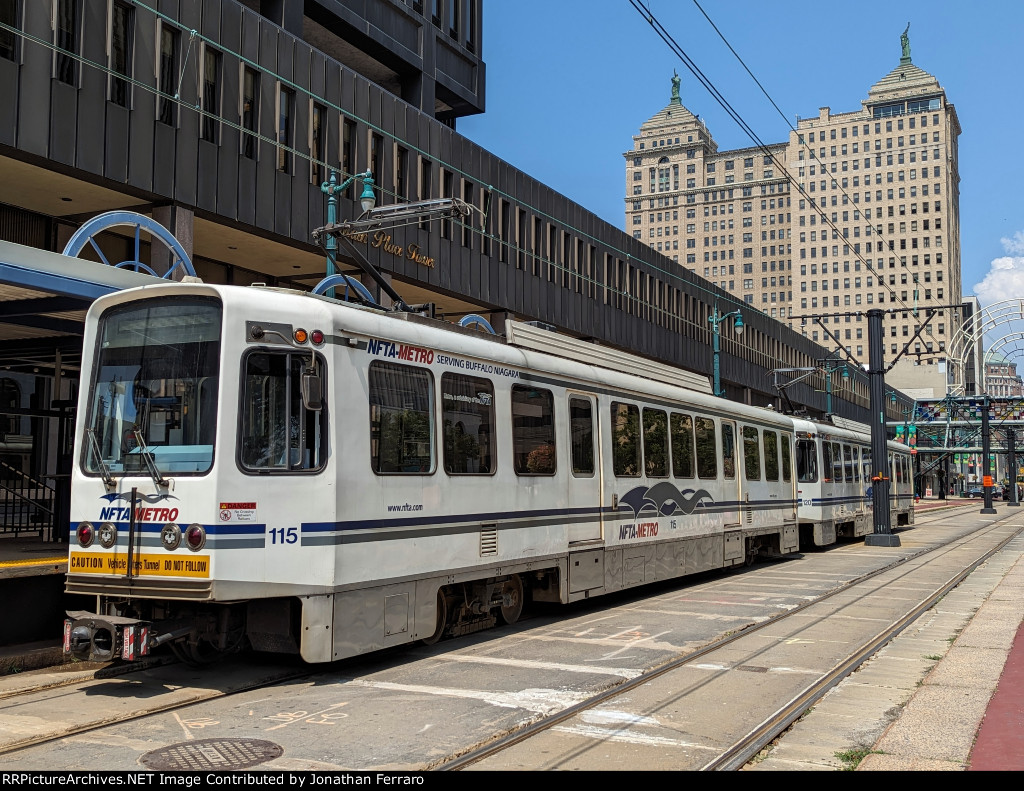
column 94, row 444
column 147, row 456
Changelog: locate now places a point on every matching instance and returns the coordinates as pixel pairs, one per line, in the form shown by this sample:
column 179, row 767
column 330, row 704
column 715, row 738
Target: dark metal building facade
column 222, row 119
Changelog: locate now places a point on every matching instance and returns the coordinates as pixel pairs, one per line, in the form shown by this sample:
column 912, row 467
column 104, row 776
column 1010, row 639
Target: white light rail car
column 264, row 467
column 833, row 472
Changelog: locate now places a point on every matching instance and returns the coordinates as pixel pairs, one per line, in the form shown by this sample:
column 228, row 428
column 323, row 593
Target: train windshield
column 154, row 388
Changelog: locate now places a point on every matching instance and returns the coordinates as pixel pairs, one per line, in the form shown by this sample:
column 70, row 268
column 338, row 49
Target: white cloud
column 1005, row 278
column 1014, row 245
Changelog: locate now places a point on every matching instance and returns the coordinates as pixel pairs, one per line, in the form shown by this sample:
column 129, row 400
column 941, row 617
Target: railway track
column 734, row 654
column 757, row 663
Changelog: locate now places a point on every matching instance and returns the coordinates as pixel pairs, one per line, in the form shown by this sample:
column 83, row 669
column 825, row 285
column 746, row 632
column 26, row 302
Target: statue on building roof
column 905, row 44
column 675, row 87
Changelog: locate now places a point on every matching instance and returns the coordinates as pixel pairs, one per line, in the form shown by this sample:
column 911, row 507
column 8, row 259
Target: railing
column 26, row 504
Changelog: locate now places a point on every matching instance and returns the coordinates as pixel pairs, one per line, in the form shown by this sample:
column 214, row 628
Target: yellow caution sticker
column 143, row 565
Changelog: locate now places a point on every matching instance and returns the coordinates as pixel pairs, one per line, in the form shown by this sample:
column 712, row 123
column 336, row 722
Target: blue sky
column 569, row 82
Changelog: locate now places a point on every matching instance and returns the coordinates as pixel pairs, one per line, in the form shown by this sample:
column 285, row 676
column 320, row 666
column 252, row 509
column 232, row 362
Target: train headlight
column 107, row 535
column 300, row 335
column 195, row 537
column 86, row 534
column 170, row 536
column 317, row 337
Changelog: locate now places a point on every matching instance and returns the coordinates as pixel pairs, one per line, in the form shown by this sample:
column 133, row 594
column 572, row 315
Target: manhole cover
column 211, row 754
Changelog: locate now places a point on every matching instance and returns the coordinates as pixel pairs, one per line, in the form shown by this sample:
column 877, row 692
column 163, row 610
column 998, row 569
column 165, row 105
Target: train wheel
column 442, row 619
column 512, row 592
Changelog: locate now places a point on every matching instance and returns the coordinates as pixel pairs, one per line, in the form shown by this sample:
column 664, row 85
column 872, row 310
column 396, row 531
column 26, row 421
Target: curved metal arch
column 140, row 222
column 473, row 319
column 966, row 338
column 349, row 282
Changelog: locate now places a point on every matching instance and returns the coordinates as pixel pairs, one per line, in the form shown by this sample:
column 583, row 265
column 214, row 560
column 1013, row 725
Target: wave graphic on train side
column 664, row 498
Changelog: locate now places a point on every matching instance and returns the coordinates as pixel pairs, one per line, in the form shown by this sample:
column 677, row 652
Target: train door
column 585, row 479
column 731, row 490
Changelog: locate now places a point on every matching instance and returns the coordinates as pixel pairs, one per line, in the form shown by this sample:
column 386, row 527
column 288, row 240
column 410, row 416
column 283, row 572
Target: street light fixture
column 367, row 200
column 829, row 368
column 716, row 320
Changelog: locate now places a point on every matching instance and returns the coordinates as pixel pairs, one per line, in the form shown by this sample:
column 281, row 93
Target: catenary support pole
column 880, row 472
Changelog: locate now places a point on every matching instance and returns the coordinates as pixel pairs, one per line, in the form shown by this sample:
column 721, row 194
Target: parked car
column 979, row 491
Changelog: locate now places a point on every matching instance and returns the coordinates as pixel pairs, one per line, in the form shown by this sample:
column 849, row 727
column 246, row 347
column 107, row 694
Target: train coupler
column 104, row 638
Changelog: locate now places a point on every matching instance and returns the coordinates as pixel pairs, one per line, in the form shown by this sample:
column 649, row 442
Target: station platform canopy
column 44, row 297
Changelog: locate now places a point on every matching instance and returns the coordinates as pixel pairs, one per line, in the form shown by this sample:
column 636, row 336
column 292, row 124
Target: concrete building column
column 378, row 294
column 181, row 223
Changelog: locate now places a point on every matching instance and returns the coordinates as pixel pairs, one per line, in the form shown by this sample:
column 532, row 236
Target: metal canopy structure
column 44, row 297
column 965, row 433
column 954, row 424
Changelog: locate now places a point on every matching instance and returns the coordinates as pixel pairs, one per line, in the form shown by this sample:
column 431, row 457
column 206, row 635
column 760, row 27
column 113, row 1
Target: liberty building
column 855, row 210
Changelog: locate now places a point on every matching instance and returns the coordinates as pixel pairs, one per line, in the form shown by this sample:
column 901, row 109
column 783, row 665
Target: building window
column 285, row 105
column 348, row 151
column 377, row 166
column 211, row 95
column 402, row 176
column 317, row 144
column 8, row 38
column 453, row 18
column 121, row 19
column 168, row 112
column 66, row 37
column 471, row 15
column 250, row 110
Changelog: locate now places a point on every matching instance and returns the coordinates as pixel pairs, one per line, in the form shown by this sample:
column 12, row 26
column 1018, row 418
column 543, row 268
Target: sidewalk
column 968, row 713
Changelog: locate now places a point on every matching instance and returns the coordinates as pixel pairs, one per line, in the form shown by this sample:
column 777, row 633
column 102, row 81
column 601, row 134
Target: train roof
column 523, row 345
column 841, row 428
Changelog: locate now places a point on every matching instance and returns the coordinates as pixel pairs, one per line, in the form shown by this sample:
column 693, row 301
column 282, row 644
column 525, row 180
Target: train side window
column 401, row 419
column 277, row 433
column 533, row 431
column 771, row 456
column 848, row 463
column 707, row 456
column 837, row 462
column 625, row 440
column 467, row 424
column 751, row 454
column 581, row 429
column 787, row 461
column 806, row 461
column 682, row 445
column 655, row 443
column 728, row 450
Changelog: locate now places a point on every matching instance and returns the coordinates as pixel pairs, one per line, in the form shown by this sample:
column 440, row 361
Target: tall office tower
column 855, row 211
column 723, row 214
column 876, row 215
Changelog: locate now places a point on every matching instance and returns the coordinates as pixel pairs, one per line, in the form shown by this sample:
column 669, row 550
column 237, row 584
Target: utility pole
column 880, row 472
column 1011, row 464
column 986, row 450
